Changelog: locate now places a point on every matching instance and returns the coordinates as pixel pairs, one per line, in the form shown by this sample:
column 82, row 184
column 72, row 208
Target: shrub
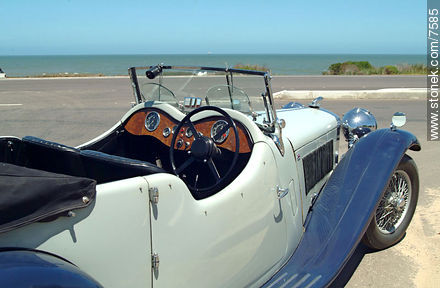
column 335, row 69
column 363, row 65
column 365, row 68
column 390, row 69
column 349, row 68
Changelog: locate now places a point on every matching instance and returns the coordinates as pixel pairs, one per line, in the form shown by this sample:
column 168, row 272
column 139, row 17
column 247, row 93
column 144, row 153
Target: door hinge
column 154, row 195
column 155, row 261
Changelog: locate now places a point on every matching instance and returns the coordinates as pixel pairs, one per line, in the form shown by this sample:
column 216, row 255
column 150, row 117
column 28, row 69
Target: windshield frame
column 267, row 96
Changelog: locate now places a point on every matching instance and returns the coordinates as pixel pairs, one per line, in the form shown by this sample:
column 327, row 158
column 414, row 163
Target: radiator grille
column 317, row 164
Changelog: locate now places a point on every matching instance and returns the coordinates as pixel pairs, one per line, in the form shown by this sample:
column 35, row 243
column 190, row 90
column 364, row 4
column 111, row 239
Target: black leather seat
column 52, row 157
column 105, row 167
column 58, row 158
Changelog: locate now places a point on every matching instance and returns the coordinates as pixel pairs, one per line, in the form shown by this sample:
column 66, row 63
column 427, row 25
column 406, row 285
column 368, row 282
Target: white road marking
column 3, row 105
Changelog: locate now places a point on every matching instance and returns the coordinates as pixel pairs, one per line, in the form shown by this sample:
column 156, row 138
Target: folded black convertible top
column 29, row 195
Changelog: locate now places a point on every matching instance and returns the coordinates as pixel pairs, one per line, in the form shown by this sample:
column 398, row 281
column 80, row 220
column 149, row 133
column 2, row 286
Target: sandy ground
column 413, row 262
column 422, row 242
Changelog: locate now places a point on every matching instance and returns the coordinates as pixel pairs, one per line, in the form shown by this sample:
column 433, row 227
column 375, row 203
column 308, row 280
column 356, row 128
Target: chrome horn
column 356, row 123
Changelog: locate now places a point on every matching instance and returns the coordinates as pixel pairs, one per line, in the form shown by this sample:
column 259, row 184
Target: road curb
column 398, row 93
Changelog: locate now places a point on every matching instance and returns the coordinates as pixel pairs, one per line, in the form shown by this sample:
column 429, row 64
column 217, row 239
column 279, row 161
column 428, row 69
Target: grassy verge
column 251, row 67
column 365, row 68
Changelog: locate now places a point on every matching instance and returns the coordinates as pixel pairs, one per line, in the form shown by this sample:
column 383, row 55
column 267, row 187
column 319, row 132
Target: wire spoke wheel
column 396, row 207
column 394, row 204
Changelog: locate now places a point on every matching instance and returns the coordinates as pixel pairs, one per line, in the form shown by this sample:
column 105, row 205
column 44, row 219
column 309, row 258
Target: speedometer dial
column 152, row 121
column 216, row 128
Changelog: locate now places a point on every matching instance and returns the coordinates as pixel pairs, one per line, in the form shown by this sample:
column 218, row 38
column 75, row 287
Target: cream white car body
column 237, row 237
column 152, row 231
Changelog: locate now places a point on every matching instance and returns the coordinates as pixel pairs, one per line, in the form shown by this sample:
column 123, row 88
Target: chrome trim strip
column 289, row 280
column 313, row 281
column 301, row 281
column 278, row 280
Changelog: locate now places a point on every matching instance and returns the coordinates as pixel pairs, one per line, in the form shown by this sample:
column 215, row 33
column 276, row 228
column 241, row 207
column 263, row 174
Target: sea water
column 279, row 64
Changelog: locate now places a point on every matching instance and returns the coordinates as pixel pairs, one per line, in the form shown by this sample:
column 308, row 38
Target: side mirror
column 398, row 120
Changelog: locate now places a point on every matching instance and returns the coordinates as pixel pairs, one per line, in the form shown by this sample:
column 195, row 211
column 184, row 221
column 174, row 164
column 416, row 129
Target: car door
column 234, row 238
column 289, row 191
column 109, row 240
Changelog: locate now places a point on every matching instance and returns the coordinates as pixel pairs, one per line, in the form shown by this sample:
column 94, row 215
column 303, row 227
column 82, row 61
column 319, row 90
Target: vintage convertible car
column 204, row 183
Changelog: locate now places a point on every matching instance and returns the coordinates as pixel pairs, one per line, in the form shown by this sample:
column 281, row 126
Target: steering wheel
column 203, row 149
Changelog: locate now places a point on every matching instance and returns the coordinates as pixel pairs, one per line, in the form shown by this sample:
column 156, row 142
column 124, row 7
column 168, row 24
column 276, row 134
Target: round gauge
column 188, row 133
column 216, row 128
column 166, row 132
column 152, row 121
column 174, row 129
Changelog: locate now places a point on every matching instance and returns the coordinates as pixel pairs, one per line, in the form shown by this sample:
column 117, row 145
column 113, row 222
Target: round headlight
column 356, row 123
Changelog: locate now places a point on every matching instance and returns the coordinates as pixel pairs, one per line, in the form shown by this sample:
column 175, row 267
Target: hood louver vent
column 317, row 164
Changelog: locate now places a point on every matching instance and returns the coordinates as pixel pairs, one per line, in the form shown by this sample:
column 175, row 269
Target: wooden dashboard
column 136, row 126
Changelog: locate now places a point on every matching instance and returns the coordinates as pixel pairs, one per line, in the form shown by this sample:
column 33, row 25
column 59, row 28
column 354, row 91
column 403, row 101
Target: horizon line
column 204, row 54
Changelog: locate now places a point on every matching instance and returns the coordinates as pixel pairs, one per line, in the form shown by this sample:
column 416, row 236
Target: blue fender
column 30, row 268
column 344, row 209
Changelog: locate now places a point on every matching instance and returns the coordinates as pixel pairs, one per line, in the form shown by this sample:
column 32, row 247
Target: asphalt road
column 346, row 82
column 74, row 111
column 120, row 84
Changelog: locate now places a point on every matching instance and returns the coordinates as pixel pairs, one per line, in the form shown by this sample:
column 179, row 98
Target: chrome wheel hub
column 394, row 204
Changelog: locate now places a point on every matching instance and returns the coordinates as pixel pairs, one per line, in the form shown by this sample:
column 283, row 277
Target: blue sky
column 194, row 26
